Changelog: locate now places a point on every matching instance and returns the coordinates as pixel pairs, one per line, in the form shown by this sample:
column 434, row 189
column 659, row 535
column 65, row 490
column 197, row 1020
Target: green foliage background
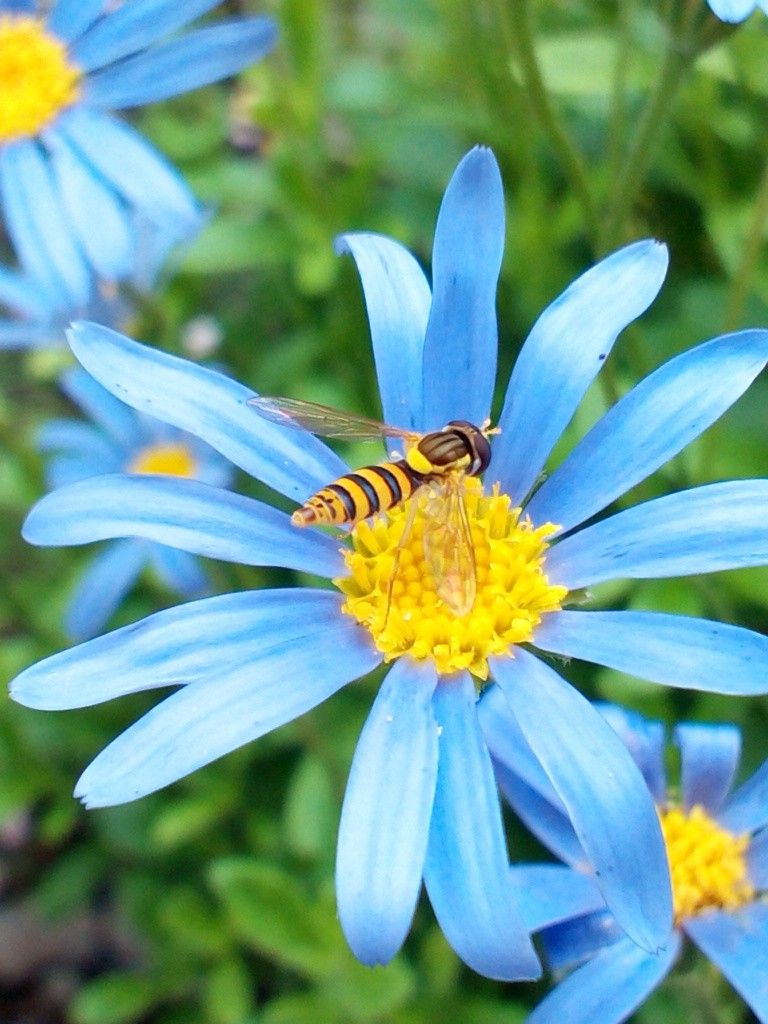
column 612, row 120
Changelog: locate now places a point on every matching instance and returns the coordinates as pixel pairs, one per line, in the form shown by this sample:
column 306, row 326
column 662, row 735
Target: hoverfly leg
column 413, row 508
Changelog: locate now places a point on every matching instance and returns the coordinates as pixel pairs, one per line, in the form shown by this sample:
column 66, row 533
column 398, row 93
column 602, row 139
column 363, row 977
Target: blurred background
column 612, row 120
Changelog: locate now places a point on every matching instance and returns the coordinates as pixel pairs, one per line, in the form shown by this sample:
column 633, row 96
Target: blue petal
column 117, row 419
column 705, row 529
column 600, row 785
column 102, row 588
column 89, row 202
column 747, row 809
column 133, row 168
column 609, row 988
column 23, row 295
column 397, row 298
column 80, row 439
column 709, row 758
column 37, row 225
column 20, row 5
column 195, row 59
column 564, row 353
column 133, row 26
column 20, row 335
column 570, row 943
column 550, row 893
column 209, row 405
column 757, row 861
column 181, row 513
column 180, row 571
column 212, row 716
column 461, row 340
column 70, row 18
column 467, row 871
column 695, row 654
column 179, row 645
column 644, row 739
column 732, row 10
column 655, row 421
column 736, row 942
column 385, row 818
column 63, row 470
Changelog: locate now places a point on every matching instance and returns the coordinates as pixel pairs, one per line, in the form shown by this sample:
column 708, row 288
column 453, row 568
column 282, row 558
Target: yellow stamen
column 707, row 863
column 408, row 616
column 164, row 460
column 36, row 79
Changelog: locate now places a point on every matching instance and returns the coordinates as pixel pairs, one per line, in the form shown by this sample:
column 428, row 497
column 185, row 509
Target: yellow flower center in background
column 707, row 863
column 165, row 460
column 407, row 616
column 36, row 79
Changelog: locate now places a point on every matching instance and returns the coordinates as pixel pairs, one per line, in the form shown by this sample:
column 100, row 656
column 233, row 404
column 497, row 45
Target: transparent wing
column 448, row 546
column 323, row 420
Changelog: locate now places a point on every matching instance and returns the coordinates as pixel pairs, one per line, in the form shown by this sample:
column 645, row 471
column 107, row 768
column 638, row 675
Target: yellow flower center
column 165, row 460
column 36, row 79
column 707, row 863
column 391, row 587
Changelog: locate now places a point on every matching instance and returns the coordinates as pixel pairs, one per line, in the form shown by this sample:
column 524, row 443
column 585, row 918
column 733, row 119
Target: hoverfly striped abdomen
column 356, row 496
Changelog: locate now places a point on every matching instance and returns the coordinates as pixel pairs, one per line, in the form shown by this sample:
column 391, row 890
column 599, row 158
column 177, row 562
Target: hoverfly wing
column 448, row 546
column 324, row 421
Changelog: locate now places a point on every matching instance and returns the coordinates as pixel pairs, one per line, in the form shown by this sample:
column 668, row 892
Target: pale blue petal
column 178, row 645
column 196, row 59
column 737, row 944
column 20, row 335
column 133, row 26
column 467, row 868
column 80, row 439
column 117, row 419
column 757, row 860
column 70, row 18
column 63, row 470
column 695, row 654
column 570, row 943
column 550, row 893
column 23, row 295
column 102, row 588
column 732, row 10
column 645, row 741
column 461, row 339
column 709, row 759
column 135, row 170
column 385, row 817
column 656, row 420
column 564, row 353
column 705, row 529
column 397, row 299
column 747, row 808
column 609, row 988
column 20, row 5
column 209, row 405
column 181, row 513
column 603, row 790
column 180, row 571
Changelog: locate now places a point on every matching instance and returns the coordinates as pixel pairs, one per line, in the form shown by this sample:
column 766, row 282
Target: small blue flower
column 71, row 175
column 718, row 851
column 736, row 10
column 422, row 800
column 120, row 440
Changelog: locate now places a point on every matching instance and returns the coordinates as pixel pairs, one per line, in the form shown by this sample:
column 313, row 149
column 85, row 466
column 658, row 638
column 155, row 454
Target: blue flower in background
column 121, row 440
column 718, row 852
column 736, row 10
column 422, row 800
column 72, row 177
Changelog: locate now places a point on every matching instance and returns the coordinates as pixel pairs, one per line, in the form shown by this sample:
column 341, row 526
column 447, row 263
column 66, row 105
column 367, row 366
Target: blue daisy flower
column 717, row 842
column 71, row 175
column 422, row 800
column 121, row 440
column 735, row 11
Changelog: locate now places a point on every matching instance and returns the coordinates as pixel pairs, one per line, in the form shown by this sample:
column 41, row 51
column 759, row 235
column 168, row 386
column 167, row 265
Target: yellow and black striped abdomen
column 358, row 495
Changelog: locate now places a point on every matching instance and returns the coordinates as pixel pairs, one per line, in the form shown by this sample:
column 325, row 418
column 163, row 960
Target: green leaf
column 113, row 999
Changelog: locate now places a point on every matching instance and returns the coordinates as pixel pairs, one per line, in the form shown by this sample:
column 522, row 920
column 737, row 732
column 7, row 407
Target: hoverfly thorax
column 459, row 447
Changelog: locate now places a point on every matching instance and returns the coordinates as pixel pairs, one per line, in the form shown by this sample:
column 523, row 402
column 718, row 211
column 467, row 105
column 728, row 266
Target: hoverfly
column 435, row 463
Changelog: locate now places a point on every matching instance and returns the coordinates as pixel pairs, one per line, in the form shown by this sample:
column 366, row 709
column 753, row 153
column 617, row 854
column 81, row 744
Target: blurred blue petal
column 603, row 790
column 747, row 808
column 102, row 588
column 705, row 529
column 15, row 334
column 645, row 741
column 467, row 869
column 550, row 893
column 564, row 353
column 668, row 410
column 70, row 18
column 179, row 571
column 397, row 299
column 213, row 716
column 736, row 941
column 185, row 644
column 116, row 418
column 208, row 405
column 195, row 59
column 732, row 10
column 23, row 295
column 63, row 470
column 609, row 988
column 461, row 339
column 570, row 943
column 385, row 817
column 757, row 861
column 181, row 513
column 694, row 654
column 709, row 758
column 79, row 438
